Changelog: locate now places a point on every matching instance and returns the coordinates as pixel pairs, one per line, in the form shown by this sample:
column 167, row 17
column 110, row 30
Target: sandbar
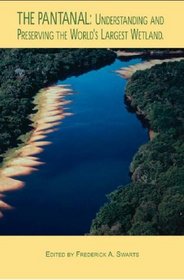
column 49, row 105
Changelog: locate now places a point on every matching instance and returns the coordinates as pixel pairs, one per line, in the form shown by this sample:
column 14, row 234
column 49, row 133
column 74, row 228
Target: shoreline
column 154, row 172
column 23, row 160
column 127, row 72
column 149, row 54
column 34, row 70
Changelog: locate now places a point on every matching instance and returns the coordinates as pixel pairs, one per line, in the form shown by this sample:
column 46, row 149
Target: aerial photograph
column 91, row 141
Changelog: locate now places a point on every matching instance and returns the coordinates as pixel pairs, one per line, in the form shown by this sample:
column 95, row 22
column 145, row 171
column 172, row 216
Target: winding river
column 89, row 157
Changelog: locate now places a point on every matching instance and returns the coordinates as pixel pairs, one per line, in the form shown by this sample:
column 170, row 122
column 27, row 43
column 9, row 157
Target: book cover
column 91, row 140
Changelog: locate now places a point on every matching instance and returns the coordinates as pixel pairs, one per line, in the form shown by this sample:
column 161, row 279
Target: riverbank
column 153, row 202
column 127, row 72
column 49, row 105
column 25, row 71
column 149, row 53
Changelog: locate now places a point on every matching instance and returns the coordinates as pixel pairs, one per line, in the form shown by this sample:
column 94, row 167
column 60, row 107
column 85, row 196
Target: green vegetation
column 25, row 71
column 153, row 203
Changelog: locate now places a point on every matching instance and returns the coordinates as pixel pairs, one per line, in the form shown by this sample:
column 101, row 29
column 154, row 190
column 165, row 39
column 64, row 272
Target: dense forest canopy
column 153, row 203
column 25, row 71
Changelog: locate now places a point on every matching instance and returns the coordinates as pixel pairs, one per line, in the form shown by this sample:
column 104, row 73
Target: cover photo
column 91, row 141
